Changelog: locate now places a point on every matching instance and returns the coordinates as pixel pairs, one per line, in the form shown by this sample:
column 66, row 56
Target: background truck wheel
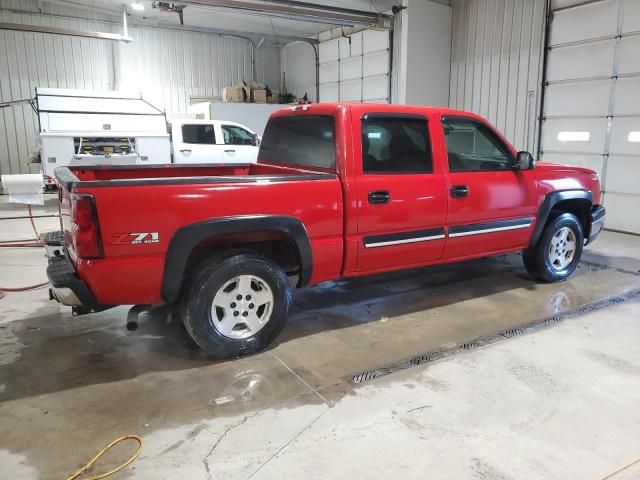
column 557, row 253
column 237, row 305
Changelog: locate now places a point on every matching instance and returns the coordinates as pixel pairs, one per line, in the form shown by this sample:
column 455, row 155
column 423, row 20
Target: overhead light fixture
column 634, row 137
column 137, row 6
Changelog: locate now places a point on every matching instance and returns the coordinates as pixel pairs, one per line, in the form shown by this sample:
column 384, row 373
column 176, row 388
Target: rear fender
column 187, row 238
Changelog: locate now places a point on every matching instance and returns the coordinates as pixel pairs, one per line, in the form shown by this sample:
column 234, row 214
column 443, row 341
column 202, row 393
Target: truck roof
column 331, row 107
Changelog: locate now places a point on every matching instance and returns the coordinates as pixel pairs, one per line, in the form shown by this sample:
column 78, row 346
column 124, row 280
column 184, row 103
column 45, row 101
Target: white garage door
column 355, row 68
column 592, row 99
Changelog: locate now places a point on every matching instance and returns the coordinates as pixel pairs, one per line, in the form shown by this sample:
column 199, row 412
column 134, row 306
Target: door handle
column 378, row 196
column 458, row 191
column 230, row 151
column 186, row 150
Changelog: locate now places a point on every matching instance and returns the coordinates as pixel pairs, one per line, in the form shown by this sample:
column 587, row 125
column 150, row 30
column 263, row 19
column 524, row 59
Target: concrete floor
column 562, row 402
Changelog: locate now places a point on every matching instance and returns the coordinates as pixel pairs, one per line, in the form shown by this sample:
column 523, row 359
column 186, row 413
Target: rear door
column 238, row 144
column 401, row 194
column 491, row 206
column 195, row 143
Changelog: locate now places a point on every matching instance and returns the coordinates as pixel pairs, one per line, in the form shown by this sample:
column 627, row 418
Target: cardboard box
column 237, row 93
column 259, row 96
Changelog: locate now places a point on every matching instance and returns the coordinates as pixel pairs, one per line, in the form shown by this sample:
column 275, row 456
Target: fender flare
column 186, row 238
column 550, row 201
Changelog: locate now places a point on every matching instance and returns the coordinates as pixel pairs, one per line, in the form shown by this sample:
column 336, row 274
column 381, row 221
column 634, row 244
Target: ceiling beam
column 64, row 31
column 295, row 11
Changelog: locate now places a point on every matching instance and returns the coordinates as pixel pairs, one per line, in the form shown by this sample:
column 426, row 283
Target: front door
column 238, row 144
column 491, row 206
column 401, row 196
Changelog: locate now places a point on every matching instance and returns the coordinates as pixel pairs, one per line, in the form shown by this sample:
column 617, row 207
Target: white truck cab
column 213, row 141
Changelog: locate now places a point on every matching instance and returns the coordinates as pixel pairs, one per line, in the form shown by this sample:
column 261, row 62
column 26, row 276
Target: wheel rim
column 562, row 248
column 242, row 307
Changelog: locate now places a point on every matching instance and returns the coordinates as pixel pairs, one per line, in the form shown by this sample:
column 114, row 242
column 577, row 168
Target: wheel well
column 579, row 207
column 274, row 245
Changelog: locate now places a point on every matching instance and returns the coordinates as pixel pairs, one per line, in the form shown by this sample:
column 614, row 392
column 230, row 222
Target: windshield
column 303, row 140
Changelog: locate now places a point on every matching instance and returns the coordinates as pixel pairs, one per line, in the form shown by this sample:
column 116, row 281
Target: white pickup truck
column 213, row 141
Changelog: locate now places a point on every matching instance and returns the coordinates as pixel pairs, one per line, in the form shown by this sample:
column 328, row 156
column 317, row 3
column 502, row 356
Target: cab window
column 395, row 145
column 234, row 135
column 473, row 147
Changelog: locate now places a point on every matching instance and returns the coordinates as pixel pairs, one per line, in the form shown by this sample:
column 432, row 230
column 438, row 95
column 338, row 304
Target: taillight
column 86, row 231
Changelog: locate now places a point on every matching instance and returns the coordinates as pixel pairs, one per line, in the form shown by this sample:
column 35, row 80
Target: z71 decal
column 135, row 238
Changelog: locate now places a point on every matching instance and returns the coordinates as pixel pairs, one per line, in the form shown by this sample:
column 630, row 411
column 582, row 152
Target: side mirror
column 523, row 161
column 255, row 140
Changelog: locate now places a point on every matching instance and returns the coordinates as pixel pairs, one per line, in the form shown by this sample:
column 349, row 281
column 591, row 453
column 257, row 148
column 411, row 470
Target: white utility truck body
column 99, row 127
column 84, row 127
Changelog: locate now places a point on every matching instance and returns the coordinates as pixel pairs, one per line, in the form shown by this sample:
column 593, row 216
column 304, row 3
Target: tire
column 556, row 264
column 236, row 305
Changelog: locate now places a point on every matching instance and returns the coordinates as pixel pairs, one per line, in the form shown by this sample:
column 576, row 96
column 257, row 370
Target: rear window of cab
column 300, row 140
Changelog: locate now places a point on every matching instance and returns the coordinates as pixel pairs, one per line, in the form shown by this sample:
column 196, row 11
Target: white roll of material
column 26, row 188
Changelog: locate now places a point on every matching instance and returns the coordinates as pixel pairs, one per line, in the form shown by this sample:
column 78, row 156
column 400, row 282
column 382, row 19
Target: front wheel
column 237, row 305
column 557, row 253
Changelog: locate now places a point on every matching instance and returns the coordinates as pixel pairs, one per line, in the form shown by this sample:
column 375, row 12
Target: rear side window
column 395, row 145
column 306, row 140
column 198, row 134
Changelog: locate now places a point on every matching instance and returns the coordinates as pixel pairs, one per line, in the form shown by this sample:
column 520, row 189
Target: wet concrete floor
column 69, row 385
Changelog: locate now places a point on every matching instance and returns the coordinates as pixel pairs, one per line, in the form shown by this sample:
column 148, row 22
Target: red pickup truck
column 339, row 190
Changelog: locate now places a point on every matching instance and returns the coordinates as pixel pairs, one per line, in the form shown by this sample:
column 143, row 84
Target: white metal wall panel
column 587, row 98
column 581, row 61
column 596, row 20
column 629, row 55
column 351, row 90
column 351, row 68
column 329, row 92
column 329, row 72
column 631, row 17
column 627, row 101
column 167, row 66
column 593, row 88
column 172, row 66
column 299, row 69
column 596, row 128
column 496, row 64
column 354, row 68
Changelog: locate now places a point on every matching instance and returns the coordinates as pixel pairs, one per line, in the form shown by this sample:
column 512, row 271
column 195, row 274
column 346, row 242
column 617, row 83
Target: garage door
column 355, row 68
column 592, row 101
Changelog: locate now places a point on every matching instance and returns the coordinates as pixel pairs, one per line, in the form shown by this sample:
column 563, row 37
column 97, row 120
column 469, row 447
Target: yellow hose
column 102, row 452
column 618, row 470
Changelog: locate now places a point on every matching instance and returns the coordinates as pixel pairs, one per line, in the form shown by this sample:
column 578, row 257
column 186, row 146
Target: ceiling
column 232, row 20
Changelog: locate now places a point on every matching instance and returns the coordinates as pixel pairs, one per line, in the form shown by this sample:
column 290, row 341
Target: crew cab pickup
column 339, row 190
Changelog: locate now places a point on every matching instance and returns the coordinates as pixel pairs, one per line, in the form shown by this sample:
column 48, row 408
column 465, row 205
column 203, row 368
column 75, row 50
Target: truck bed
column 80, row 176
column 157, row 201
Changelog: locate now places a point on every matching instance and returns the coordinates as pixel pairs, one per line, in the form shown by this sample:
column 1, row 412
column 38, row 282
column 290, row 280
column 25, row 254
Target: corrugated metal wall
column 496, row 64
column 167, row 65
column 299, row 67
column 171, row 66
column 28, row 60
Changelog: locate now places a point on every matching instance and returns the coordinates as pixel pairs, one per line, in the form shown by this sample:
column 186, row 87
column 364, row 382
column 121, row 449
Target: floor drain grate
column 428, row 357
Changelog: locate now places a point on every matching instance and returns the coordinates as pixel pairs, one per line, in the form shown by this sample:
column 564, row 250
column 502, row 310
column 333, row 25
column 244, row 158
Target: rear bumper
column 66, row 287
column 598, row 214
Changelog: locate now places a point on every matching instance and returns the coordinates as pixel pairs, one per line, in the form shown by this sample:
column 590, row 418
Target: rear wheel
column 237, row 305
column 557, row 253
